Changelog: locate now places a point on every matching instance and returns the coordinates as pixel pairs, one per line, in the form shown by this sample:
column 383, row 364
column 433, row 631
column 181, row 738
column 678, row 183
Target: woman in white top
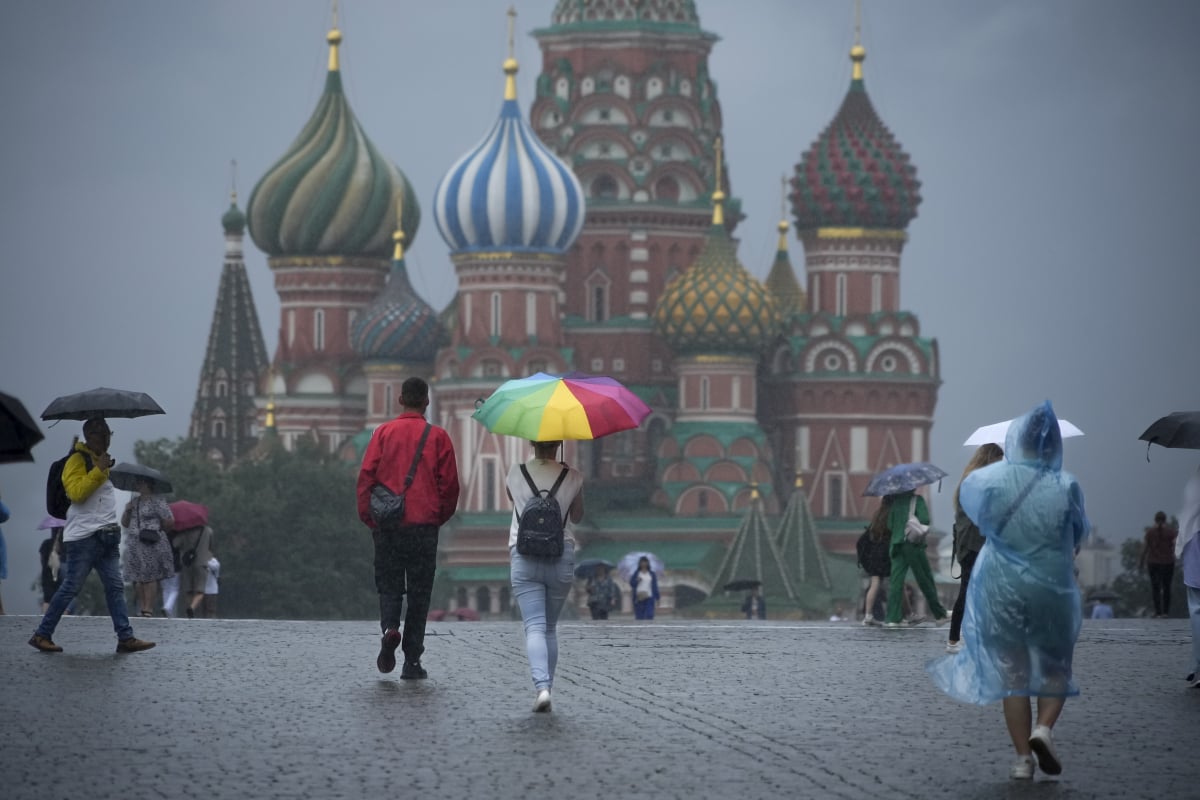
column 540, row 585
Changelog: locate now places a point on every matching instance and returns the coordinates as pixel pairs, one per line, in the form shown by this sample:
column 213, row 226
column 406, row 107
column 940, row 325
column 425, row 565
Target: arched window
column 531, row 320
column 483, row 599
column 667, row 189
column 291, row 326
column 704, row 391
column 815, row 294
column 599, row 304
column 319, row 329
column 876, row 293
column 496, row 314
column 389, row 397
column 460, row 597
column 840, row 300
column 604, row 187
column 218, row 428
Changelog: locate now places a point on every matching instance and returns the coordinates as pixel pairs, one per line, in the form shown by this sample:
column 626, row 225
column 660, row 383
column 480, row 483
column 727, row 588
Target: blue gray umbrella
column 904, row 478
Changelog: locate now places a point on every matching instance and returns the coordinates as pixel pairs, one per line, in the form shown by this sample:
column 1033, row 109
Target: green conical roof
column 753, row 555
column 801, row 549
column 781, row 282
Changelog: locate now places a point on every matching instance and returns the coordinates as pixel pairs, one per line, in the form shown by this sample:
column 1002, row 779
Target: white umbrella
column 997, row 432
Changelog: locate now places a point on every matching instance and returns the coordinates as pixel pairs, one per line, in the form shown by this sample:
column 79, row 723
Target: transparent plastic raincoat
column 1023, row 606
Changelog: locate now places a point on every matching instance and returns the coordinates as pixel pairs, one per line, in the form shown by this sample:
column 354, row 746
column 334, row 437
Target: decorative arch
column 701, row 499
column 899, row 350
column 815, row 361
column 681, row 472
column 745, row 448
column 313, row 382
column 703, row 446
column 726, row 472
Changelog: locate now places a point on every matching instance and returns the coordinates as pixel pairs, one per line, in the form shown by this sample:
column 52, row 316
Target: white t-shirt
column 544, row 474
column 94, row 513
column 214, row 572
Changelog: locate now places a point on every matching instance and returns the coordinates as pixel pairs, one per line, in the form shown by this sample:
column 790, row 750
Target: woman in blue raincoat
column 1023, row 608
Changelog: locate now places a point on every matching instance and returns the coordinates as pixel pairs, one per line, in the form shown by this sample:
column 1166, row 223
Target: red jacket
column 433, row 496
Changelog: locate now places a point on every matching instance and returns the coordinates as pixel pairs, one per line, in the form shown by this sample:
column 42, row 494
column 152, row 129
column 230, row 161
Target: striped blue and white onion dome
column 510, row 192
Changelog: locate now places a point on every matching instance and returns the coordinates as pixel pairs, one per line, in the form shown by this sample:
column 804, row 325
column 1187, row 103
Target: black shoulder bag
column 387, row 507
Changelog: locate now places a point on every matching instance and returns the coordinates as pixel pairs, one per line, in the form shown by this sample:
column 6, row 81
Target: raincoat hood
column 1189, row 517
column 1034, row 440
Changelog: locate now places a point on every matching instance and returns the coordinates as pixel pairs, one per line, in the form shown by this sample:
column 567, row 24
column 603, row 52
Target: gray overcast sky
column 1052, row 256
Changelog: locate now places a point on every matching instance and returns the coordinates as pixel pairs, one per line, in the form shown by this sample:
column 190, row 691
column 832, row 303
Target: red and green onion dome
column 233, row 220
column 398, row 325
column 331, row 193
column 575, row 15
column 855, row 175
column 716, row 306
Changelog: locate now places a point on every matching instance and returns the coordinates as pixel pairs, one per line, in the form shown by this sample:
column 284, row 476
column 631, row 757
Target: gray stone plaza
column 666, row 709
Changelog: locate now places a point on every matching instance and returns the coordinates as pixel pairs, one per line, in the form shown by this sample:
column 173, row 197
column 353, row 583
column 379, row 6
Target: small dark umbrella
column 18, row 432
column 127, row 476
column 741, row 585
column 587, row 567
column 1179, row 429
column 102, row 402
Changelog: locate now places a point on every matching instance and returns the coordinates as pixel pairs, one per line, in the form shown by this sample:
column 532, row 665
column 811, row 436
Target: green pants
column 907, row 556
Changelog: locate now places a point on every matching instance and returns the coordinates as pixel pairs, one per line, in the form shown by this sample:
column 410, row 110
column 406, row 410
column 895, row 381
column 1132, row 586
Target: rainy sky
column 1053, row 255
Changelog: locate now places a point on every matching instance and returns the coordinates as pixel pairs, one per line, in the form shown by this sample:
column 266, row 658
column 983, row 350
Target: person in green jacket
column 908, row 555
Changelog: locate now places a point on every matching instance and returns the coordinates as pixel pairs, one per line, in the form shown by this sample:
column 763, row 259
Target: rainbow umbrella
column 546, row 408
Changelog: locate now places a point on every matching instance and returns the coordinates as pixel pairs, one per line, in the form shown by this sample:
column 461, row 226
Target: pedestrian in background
column 1187, row 547
column 540, row 585
column 602, row 593
column 755, row 605
column 147, row 558
column 908, row 555
column 92, row 539
column 967, row 541
column 1158, row 559
column 48, row 555
column 4, row 515
column 406, row 549
column 211, row 588
column 1023, row 608
column 1102, row 610
column 195, row 548
column 644, row 585
column 872, row 549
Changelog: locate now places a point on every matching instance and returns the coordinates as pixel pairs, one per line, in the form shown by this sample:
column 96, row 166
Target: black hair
column 414, row 393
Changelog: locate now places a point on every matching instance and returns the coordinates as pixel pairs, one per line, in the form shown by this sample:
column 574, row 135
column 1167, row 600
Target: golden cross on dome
column 510, row 63
column 718, row 196
column 398, row 236
column 334, row 37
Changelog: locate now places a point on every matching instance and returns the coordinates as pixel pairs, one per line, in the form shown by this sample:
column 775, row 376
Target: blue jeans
column 540, row 587
column 101, row 551
column 1193, row 598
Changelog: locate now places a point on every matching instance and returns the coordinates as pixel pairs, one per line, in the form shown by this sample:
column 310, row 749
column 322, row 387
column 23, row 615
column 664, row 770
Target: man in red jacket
column 406, row 551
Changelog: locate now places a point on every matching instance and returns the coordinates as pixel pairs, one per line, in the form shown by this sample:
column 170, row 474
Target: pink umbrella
column 189, row 515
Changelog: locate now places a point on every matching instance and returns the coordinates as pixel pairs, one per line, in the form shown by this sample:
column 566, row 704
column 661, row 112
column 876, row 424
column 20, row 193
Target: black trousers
column 1160, row 586
column 960, row 603
column 405, row 563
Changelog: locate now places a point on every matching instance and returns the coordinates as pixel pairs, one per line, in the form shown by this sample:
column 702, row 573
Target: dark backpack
column 57, row 501
column 540, row 526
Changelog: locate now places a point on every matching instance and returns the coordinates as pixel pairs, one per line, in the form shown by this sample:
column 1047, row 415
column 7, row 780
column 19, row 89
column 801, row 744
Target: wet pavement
column 258, row 709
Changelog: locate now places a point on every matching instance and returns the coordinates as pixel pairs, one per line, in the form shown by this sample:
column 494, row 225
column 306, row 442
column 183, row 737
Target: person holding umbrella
column 540, row 584
column 92, row 538
column 891, row 519
column 644, row 585
column 602, row 592
column 148, row 557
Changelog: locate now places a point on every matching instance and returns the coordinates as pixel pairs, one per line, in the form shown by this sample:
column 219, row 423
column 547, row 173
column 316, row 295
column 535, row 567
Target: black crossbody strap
column 533, row 486
column 561, row 477
column 412, row 471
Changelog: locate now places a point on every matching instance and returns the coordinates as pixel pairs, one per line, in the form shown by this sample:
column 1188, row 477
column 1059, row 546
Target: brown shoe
column 44, row 644
column 132, row 645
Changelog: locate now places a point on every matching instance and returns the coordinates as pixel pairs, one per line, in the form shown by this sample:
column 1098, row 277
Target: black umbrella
column 1103, row 595
column 18, row 432
column 742, row 585
column 127, row 476
column 102, row 402
column 587, row 567
column 1180, row 429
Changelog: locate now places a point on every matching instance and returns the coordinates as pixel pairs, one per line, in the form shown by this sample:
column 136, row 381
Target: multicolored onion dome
column 716, row 306
column 331, row 193
column 855, row 175
column 623, row 14
column 233, row 220
column 510, row 192
column 397, row 325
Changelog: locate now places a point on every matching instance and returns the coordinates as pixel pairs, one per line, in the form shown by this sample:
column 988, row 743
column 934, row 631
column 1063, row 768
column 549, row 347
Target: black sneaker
column 386, row 660
column 412, row 670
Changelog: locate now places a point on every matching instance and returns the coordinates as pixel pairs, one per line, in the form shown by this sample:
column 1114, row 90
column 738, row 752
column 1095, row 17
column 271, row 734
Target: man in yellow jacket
column 92, row 539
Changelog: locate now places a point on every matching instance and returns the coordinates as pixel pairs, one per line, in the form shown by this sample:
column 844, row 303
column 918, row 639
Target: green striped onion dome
column 716, row 306
column 855, row 175
column 331, row 193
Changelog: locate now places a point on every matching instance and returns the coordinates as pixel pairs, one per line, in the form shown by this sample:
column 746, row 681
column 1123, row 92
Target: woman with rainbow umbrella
column 546, row 409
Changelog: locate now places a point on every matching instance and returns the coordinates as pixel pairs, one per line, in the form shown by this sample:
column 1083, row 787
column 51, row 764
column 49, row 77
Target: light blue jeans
column 540, row 587
column 1193, row 598
column 100, row 551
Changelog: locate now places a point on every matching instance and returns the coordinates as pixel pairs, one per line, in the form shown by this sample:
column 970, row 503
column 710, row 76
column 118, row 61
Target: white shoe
column 1041, row 742
column 869, row 620
column 1022, row 769
column 542, row 703
column 954, row 647
column 893, row 625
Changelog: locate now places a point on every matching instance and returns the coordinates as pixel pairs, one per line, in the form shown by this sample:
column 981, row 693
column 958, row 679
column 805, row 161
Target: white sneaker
column 542, row 703
column 1041, row 742
column 869, row 620
column 893, row 625
column 1022, row 769
column 954, row 647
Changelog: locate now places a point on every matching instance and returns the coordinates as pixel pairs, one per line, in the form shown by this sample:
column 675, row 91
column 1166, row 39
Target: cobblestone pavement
column 257, row 709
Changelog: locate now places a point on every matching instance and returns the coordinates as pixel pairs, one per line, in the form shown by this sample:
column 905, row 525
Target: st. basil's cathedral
column 596, row 233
